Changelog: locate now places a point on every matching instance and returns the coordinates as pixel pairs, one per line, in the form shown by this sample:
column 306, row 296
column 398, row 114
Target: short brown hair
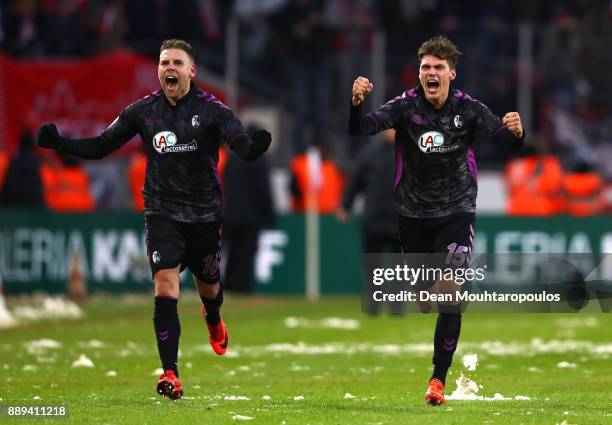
column 441, row 47
column 174, row 43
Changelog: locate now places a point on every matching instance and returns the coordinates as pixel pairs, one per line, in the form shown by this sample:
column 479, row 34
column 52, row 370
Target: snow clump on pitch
column 467, row 389
column 83, row 361
column 470, row 361
column 49, row 308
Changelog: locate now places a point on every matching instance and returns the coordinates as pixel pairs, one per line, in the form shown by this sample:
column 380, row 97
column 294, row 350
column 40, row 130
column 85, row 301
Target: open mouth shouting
column 171, row 82
column 432, row 85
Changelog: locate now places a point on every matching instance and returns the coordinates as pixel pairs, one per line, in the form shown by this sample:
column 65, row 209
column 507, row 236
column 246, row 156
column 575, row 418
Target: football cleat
column 218, row 335
column 435, row 393
column 169, row 386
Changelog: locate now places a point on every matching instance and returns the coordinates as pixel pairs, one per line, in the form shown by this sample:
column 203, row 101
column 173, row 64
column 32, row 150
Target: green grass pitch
column 306, row 371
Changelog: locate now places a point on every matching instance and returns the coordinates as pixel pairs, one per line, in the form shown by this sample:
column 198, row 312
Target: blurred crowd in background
column 301, row 56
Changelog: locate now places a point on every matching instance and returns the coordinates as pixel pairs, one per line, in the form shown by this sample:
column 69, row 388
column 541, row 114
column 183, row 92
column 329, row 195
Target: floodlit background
column 74, row 272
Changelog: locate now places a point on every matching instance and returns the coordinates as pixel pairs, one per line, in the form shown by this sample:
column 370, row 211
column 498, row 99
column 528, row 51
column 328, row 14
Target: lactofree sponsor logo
column 434, row 142
column 165, row 142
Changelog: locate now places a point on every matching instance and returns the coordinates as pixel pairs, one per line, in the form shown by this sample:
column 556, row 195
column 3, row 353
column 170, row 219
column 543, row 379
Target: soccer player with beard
column 436, row 174
column 182, row 127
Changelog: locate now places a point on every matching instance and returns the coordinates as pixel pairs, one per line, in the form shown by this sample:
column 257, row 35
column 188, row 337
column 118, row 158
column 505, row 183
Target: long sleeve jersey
column 435, row 164
column 182, row 147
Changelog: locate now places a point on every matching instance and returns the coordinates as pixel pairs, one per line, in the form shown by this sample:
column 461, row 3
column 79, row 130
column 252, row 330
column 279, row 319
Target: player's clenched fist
column 261, row 142
column 48, row 137
column 512, row 120
column 361, row 88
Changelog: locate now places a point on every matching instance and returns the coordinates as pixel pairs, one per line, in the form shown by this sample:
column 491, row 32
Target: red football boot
column 218, row 335
column 435, row 393
column 169, row 386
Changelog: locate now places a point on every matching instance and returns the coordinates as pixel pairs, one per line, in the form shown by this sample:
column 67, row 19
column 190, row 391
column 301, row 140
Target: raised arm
column 382, row 119
column 115, row 136
column 248, row 146
column 358, row 124
column 506, row 130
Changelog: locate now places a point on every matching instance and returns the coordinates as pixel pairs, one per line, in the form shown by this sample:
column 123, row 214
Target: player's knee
column 166, row 283
column 166, row 290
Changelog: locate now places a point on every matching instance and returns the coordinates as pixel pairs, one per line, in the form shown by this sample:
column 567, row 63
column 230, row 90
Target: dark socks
column 167, row 331
column 448, row 328
column 212, row 307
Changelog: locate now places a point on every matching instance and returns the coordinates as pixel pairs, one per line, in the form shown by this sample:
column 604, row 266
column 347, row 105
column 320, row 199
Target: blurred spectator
column 146, row 24
column 67, row 186
column 247, row 209
column 580, row 136
column 534, row 185
column 194, row 20
column 22, row 183
column 109, row 22
column 315, row 178
column 22, row 28
column 136, row 176
column 149, row 21
column 66, row 28
column 108, row 185
column 257, row 49
column 307, row 40
column 584, row 190
column 351, row 23
column 374, row 177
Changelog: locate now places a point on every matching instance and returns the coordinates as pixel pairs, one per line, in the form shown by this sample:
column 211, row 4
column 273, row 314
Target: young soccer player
column 436, row 174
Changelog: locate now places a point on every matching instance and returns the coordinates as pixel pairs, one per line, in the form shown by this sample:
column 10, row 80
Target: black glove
column 261, row 142
column 48, row 136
